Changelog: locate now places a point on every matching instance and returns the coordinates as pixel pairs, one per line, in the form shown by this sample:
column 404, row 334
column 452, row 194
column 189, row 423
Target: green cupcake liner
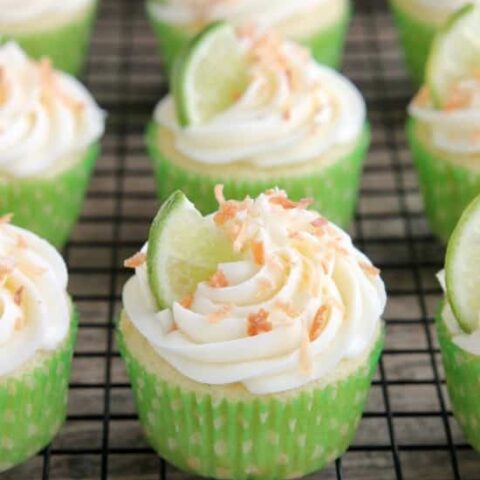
column 447, row 188
column 33, row 403
column 462, row 371
column 265, row 437
column 334, row 187
column 66, row 45
column 326, row 45
column 49, row 206
column 416, row 37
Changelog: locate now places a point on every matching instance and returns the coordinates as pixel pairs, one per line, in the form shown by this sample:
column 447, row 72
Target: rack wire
column 408, row 431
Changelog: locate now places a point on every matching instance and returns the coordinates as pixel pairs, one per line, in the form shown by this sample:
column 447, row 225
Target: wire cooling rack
column 408, row 431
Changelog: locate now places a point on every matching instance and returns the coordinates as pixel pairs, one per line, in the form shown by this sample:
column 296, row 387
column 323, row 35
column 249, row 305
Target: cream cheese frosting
column 14, row 12
column 299, row 300
column 266, row 12
column 47, row 118
column 455, row 128
column 470, row 342
column 292, row 111
column 34, row 306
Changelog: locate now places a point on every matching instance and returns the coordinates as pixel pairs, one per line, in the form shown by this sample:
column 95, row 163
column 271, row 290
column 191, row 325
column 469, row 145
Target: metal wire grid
column 408, row 431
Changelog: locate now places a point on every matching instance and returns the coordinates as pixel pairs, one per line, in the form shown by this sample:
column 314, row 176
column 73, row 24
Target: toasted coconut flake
column 423, row 97
column 7, row 218
column 320, row 222
column 218, row 280
column 21, row 242
column 135, row 261
column 227, row 211
column 286, row 307
column 220, row 314
column 187, row 301
column 319, row 322
column 288, row 204
column 219, row 196
column 258, row 252
column 240, row 237
column 20, row 322
column 258, row 323
column 369, row 269
column 264, row 286
column 18, row 296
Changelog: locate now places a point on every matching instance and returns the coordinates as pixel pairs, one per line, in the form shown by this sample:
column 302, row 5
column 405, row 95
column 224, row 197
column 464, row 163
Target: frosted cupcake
column 250, row 110
column 418, row 21
column 49, row 131
column 320, row 25
column 37, row 331
column 444, row 123
column 458, row 322
column 250, row 337
column 57, row 29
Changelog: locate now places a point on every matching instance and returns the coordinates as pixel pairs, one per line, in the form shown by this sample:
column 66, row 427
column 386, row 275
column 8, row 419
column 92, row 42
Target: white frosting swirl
column 299, row 300
column 47, row 118
column 456, row 127
column 34, row 306
column 14, row 12
column 292, row 111
column 470, row 342
column 265, row 12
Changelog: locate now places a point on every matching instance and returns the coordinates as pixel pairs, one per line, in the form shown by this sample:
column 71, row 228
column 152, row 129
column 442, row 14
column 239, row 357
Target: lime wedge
column 210, row 73
column 455, row 53
column 184, row 249
column 462, row 268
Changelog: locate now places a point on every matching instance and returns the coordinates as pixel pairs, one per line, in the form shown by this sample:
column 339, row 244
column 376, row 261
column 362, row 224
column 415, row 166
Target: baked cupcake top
column 468, row 341
column 297, row 300
column 292, row 111
column 47, row 118
column 200, row 12
column 14, row 13
column 35, row 310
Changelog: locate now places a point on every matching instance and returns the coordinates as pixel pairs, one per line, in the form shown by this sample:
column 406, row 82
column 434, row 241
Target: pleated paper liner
column 33, row 403
column 416, row 37
column 65, row 44
column 258, row 437
column 462, row 371
column 333, row 187
column 49, row 206
column 326, row 45
column 447, row 187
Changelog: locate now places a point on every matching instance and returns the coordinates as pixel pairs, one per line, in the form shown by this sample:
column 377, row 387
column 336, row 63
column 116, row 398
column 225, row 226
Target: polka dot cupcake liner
column 326, row 45
column 333, row 187
column 416, row 37
column 462, row 371
column 447, row 187
column 33, row 403
column 261, row 437
column 65, row 44
column 49, row 206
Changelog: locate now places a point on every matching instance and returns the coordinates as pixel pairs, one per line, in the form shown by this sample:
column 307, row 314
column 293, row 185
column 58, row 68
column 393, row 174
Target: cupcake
column 417, row 22
column 56, row 29
column 458, row 324
column 49, row 132
column 37, row 333
column 320, row 25
column 250, row 110
column 444, row 125
column 250, row 337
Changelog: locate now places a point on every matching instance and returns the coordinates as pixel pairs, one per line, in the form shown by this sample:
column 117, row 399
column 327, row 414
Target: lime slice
column 184, row 249
column 455, row 53
column 209, row 75
column 462, row 269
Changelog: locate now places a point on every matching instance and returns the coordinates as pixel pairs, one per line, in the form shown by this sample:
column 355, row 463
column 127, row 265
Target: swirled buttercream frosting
column 47, row 118
column 299, row 299
column 292, row 111
column 455, row 127
column 34, row 306
column 13, row 12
